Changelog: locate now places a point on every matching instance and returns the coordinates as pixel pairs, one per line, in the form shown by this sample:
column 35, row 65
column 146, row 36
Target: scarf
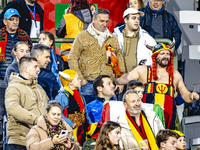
column 100, row 36
column 51, row 132
column 23, row 36
column 145, row 133
column 155, row 11
column 76, row 107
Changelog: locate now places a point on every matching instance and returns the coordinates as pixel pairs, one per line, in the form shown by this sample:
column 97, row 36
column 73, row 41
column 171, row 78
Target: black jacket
column 170, row 26
column 25, row 19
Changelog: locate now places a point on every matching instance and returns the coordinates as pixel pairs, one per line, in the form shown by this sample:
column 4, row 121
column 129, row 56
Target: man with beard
column 138, row 124
column 161, row 82
column 31, row 13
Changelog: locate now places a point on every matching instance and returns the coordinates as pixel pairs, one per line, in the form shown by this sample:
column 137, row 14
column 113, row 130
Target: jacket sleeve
column 61, row 29
column 63, row 100
column 13, row 107
column 176, row 33
column 119, row 55
column 74, row 56
column 33, row 141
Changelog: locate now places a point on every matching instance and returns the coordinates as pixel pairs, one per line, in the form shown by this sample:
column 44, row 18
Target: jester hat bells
column 155, row 51
column 66, row 76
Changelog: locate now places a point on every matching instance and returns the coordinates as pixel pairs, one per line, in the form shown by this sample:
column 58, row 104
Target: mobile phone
column 143, row 61
column 64, row 132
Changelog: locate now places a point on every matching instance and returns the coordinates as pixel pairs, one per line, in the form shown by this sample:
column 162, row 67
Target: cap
column 10, row 12
column 132, row 11
column 66, row 76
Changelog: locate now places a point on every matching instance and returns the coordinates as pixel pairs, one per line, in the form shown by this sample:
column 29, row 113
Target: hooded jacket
column 37, row 138
column 72, row 24
column 25, row 101
column 142, row 51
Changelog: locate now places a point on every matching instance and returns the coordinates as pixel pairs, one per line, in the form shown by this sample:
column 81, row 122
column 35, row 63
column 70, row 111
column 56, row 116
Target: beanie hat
column 66, row 76
column 180, row 134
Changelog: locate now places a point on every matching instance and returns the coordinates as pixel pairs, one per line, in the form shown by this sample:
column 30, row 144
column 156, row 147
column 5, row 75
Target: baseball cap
column 10, row 12
column 132, row 11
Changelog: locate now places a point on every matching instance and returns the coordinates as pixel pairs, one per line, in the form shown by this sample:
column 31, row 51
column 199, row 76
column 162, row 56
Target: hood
column 14, row 78
column 85, row 15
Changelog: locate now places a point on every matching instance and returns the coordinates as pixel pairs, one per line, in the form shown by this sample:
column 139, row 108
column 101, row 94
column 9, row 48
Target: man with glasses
column 159, row 23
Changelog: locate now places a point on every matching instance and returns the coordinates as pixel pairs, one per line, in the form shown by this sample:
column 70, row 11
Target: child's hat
column 66, row 76
column 178, row 133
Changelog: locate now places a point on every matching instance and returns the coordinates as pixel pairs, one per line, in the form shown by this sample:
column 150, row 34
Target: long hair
column 79, row 4
column 103, row 140
column 170, row 67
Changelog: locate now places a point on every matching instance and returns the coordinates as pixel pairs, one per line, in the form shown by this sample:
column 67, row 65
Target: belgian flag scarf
column 145, row 133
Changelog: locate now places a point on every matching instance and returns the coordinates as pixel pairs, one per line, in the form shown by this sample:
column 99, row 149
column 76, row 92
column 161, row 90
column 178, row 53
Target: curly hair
column 79, row 4
column 103, row 140
column 170, row 67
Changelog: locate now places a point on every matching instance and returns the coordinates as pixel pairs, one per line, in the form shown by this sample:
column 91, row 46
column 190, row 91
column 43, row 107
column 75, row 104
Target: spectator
column 31, row 13
column 76, row 20
column 20, row 49
column 181, row 145
column 132, row 40
column 9, row 35
column 46, row 78
column 166, row 140
column 137, row 4
column 45, row 135
column 92, row 8
column 57, row 62
column 88, row 55
column 25, row 101
column 74, row 106
column 159, row 23
column 165, row 79
column 109, row 136
column 142, row 123
column 136, row 85
column 105, row 90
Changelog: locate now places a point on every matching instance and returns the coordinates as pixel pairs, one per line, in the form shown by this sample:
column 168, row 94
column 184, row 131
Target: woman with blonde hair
column 109, row 136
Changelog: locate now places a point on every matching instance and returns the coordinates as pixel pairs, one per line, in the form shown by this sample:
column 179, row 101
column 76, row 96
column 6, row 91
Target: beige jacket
column 89, row 59
column 25, row 101
column 37, row 138
column 128, row 141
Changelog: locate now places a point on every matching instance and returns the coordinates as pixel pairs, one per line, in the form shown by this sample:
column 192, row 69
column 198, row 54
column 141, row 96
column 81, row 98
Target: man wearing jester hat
column 161, row 82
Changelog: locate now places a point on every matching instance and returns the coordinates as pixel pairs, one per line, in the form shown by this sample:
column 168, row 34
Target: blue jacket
column 170, row 26
column 64, row 101
column 47, row 80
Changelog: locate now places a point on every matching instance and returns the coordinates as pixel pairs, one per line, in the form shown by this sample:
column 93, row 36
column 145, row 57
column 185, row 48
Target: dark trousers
column 16, row 147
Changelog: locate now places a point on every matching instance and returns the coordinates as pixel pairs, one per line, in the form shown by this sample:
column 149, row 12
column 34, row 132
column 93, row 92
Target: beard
column 158, row 61
column 135, row 112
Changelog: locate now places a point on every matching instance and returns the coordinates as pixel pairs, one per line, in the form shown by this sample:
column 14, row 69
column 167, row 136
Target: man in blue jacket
column 105, row 90
column 159, row 23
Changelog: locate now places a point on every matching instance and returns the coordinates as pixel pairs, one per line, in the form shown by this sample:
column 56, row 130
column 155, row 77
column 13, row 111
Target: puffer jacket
column 170, row 26
column 128, row 141
column 37, row 138
column 25, row 101
column 89, row 59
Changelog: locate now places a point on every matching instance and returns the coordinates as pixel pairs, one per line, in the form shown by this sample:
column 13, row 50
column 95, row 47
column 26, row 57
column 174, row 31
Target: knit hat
column 66, row 76
column 180, row 134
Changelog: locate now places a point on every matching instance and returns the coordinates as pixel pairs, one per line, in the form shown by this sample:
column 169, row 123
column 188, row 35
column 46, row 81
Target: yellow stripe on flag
column 159, row 99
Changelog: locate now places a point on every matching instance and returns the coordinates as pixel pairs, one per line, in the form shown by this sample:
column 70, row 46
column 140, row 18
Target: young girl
column 109, row 136
column 180, row 141
column 57, row 62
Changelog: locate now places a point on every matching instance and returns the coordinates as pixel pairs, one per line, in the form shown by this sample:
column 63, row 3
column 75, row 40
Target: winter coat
column 25, row 102
column 142, row 51
column 128, row 141
column 37, row 138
